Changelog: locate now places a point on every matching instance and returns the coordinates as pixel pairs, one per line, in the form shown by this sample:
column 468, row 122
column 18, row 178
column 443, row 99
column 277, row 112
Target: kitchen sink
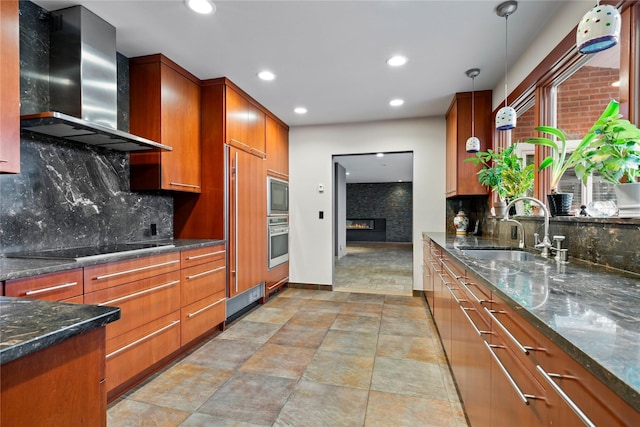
column 500, row 254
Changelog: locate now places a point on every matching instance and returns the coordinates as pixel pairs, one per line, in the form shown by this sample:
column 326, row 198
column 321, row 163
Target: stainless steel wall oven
column 278, row 240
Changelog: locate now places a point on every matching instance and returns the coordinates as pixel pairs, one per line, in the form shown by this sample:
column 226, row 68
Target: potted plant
column 560, row 162
column 503, row 171
column 614, row 154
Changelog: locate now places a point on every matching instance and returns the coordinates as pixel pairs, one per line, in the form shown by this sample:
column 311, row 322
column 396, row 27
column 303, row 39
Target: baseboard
column 311, row 286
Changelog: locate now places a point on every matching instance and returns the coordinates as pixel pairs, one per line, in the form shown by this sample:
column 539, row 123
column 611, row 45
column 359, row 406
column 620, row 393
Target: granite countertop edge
column 615, row 383
column 17, row 268
column 54, row 323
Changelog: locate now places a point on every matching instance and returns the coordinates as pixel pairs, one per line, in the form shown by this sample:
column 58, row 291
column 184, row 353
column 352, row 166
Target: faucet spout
column 545, row 245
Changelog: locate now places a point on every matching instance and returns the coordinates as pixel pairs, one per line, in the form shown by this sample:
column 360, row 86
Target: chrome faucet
column 545, row 245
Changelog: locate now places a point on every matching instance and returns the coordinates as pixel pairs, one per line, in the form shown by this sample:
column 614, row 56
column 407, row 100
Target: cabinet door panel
column 131, row 353
column 202, row 280
column 51, row 287
column 104, row 276
column 192, row 257
column 140, row 302
column 10, row 94
column 180, row 130
column 201, row 316
column 247, row 221
column 236, row 117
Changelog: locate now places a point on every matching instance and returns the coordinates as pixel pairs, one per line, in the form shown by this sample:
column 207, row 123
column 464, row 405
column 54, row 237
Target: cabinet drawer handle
column 286, row 279
column 442, row 279
column 205, row 308
column 179, row 184
column 522, row 348
column 4, row 161
column 137, row 294
column 478, row 331
column 144, row 338
column 478, row 300
column 135, row 270
column 52, row 288
column 523, row 397
column 455, row 297
column 549, row 378
column 204, row 255
column 204, row 273
column 239, row 142
column 453, row 275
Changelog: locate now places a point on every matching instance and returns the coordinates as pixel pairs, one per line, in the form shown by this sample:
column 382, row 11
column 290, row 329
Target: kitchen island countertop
column 590, row 311
column 28, row 325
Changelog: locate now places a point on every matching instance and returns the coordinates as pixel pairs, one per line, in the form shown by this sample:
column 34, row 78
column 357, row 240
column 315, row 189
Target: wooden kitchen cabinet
column 140, row 301
column 62, row 385
column 247, row 222
column 10, row 94
column 461, row 176
column 147, row 291
column 165, row 107
column 245, row 123
column 277, row 142
column 203, row 291
column 504, row 367
column 61, row 286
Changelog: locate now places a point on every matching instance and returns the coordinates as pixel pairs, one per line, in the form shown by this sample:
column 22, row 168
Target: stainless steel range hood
column 83, row 85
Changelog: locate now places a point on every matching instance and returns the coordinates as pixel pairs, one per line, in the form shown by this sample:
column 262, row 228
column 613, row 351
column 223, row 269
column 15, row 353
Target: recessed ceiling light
column 203, row 7
column 300, row 110
column 266, row 75
column 397, row 60
column 396, row 102
column 380, row 155
column 348, row 173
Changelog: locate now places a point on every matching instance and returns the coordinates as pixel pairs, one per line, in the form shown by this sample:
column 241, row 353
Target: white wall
column 310, row 163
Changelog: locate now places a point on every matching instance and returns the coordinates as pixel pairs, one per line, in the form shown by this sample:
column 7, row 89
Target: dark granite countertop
column 28, row 325
column 16, row 268
column 591, row 312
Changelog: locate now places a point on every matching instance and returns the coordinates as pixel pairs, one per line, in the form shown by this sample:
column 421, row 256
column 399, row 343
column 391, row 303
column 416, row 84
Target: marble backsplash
column 612, row 242
column 69, row 194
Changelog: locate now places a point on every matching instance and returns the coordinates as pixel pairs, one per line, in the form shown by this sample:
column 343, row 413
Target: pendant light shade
column 473, row 143
column 599, row 29
column 506, row 117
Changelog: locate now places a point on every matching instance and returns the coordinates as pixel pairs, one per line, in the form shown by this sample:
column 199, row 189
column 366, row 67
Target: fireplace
column 369, row 230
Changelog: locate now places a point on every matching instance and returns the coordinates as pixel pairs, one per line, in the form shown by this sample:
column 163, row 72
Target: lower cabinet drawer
column 202, row 281
column 131, row 353
column 52, row 287
column 140, row 302
column 201, row 316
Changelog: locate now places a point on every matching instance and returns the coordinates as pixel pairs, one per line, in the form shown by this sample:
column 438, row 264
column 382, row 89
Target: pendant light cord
column 506, row 38
column 473, row 114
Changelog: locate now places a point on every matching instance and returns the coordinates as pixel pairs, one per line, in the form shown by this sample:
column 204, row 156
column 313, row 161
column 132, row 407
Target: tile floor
column 375, row 267
column 307, row 358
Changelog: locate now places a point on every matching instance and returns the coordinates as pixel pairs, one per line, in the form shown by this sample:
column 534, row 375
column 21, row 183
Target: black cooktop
column 90, row 251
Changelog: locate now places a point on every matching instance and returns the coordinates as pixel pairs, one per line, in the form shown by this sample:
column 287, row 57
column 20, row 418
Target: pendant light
column 473, row 143
column 506, row 117
column 599, row 29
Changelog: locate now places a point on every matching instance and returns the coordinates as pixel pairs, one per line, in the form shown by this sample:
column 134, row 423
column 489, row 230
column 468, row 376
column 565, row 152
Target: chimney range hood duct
column 83, row 85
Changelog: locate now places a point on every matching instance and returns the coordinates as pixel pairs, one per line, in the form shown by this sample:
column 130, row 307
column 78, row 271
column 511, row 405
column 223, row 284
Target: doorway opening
column 373, row 223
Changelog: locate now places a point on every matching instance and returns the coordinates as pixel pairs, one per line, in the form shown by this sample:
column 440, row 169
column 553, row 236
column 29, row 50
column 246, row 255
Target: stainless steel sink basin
column 500, row 254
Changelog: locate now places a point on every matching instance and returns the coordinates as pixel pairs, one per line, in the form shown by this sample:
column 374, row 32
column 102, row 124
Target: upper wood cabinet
column 10, row 93
column 461, row 178
column 245, row 123
column 277, row 139
column 165, row 107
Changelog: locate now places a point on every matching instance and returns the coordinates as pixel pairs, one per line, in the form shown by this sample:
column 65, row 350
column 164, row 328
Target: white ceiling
column 369, row 168
column 329, row 56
